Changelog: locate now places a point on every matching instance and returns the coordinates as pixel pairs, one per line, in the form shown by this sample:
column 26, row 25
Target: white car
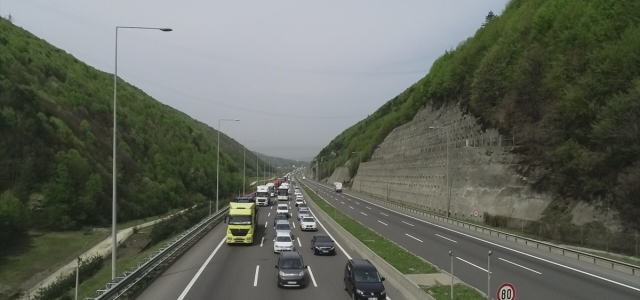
column 297, row 192
column 283, row 242
column 283, row 209
column 299, row 201
column 308, row 223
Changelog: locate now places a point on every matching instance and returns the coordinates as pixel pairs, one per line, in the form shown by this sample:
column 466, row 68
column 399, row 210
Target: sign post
column 506, row 292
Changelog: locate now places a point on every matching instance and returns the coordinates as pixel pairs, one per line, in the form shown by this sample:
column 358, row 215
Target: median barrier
column 409, row 290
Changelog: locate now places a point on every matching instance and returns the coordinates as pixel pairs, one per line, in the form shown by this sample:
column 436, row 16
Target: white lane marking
column 255, row 280
column 472, row 264
column 312, row 278
column 271, row 207
column 413, row 237
column 515, row 264
column 193, row 280
column 341, row 202
column 363, row 213
column 383, row 223
column 357, row 202
column 294, row 225
column 351, row 207
column 446, row 238
column 269, row 214
column 368, row 207
column 262, row 242
column 407, row 223
column 299, row 244
column 504, row 247
column 384, row 214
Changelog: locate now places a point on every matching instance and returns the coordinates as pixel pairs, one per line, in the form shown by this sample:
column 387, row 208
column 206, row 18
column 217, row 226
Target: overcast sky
column 301, row 70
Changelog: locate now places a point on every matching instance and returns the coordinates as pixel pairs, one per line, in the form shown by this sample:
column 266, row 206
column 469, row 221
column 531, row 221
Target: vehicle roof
column 290, row 254
column 283, row 222
column 362, row 264
column 235, row 205
column 281, row 233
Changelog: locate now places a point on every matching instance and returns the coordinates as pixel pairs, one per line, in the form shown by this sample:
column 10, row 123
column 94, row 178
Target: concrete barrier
column 409, row 290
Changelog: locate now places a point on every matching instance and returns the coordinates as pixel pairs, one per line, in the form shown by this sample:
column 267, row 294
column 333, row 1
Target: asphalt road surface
column 536, row 274
column 211, row 269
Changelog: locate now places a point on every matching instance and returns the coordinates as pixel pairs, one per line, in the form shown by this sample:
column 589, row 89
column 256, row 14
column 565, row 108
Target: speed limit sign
column 506, row 292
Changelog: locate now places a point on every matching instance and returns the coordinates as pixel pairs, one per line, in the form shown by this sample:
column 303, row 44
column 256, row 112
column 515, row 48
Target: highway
column 536, row 274
column 211, row 269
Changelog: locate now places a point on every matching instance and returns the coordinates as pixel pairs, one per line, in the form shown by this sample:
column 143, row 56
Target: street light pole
column 114, row 233
column 451, row 255
column 489, row 275
column 218, row 164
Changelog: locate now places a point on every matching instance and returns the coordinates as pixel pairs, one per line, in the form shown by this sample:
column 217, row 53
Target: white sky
column 296, row 73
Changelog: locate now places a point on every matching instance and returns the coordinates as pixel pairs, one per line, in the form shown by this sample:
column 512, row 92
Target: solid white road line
column 383, row 223
column 503, row 247
column 299, row 244
column 384, row 214
column 472, row 264
column 446, row 238
column 265, row 224
column 413, row 237
column 193, row 280
column 363, row 213
column 262, row 242
column 312, row 278
column 407, row 223
column 515, row 264
column 255, row 280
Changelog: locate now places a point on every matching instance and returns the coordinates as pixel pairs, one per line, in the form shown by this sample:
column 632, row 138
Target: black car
column 279, row 217
column 322, row 244
column 362, row 280
column 291, row 270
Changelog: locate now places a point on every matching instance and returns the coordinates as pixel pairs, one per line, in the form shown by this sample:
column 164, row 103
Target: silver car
column 303, row 213
column 282, row 228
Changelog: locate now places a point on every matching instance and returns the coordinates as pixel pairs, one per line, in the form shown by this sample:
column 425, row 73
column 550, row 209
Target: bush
column 58, row 289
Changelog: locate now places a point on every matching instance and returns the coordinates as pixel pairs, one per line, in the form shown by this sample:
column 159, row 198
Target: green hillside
column 282, row 162
column 563, row 75
column 56, row 142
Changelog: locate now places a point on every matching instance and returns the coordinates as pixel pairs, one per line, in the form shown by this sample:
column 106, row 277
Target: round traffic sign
column 475, row 213
column 506, row 292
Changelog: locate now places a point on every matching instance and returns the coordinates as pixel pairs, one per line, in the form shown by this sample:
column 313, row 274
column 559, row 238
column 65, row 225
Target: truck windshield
column 240, row 220
column 283, row 192
column 261, row 194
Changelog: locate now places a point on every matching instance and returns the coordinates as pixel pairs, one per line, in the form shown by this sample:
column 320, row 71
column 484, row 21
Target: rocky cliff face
column 410, row 166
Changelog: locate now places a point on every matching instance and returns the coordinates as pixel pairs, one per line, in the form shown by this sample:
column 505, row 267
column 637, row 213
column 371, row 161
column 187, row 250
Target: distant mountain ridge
column 281, row 162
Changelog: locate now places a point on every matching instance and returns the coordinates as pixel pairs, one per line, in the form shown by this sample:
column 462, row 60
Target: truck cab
column 242, row 222
column 262, row 196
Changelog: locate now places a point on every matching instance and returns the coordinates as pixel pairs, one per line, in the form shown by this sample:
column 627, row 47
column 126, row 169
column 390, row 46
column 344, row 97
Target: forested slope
column 562, row 75
column 56, row 145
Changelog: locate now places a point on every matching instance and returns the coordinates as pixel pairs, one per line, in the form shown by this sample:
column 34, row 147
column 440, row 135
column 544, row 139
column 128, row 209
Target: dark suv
column 291, row 269
column 362, row 280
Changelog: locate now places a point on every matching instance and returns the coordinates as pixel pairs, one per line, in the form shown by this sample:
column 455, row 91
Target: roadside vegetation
column 401, row 259
column 55, row 151
column 560, row 74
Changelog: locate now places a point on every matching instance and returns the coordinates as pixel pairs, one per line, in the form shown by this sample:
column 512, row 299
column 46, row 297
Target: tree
column 490, row 16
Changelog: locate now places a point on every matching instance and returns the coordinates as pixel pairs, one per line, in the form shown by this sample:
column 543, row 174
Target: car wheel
column 345, row 285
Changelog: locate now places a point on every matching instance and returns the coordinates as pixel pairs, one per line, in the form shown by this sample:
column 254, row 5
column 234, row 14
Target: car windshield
column 283, row 239
column 367, row 276
column 283, row 207
column 323, row 239
column 283, row 192
column 283, row 227
column 281, row 217
column 291, row 263
column 240, row 220
column 303, row 210
column 307, row 220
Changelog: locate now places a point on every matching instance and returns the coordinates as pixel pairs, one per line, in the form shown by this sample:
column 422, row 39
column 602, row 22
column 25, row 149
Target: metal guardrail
column 120, row 285
column 580, row 255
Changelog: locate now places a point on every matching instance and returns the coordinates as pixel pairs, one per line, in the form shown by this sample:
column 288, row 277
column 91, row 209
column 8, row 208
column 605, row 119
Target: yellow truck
column 242, row 223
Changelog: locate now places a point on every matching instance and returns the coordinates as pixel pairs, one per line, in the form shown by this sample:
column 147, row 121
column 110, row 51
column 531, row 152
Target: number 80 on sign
column 506, row 292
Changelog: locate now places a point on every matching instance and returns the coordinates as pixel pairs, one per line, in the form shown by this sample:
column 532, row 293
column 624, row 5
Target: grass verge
column 41, row 255
column 461, row 291
column 403, row 260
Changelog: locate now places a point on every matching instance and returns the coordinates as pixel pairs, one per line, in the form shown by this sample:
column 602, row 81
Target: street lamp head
column 450, row 253
column 490, row 252
column 166, row 29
